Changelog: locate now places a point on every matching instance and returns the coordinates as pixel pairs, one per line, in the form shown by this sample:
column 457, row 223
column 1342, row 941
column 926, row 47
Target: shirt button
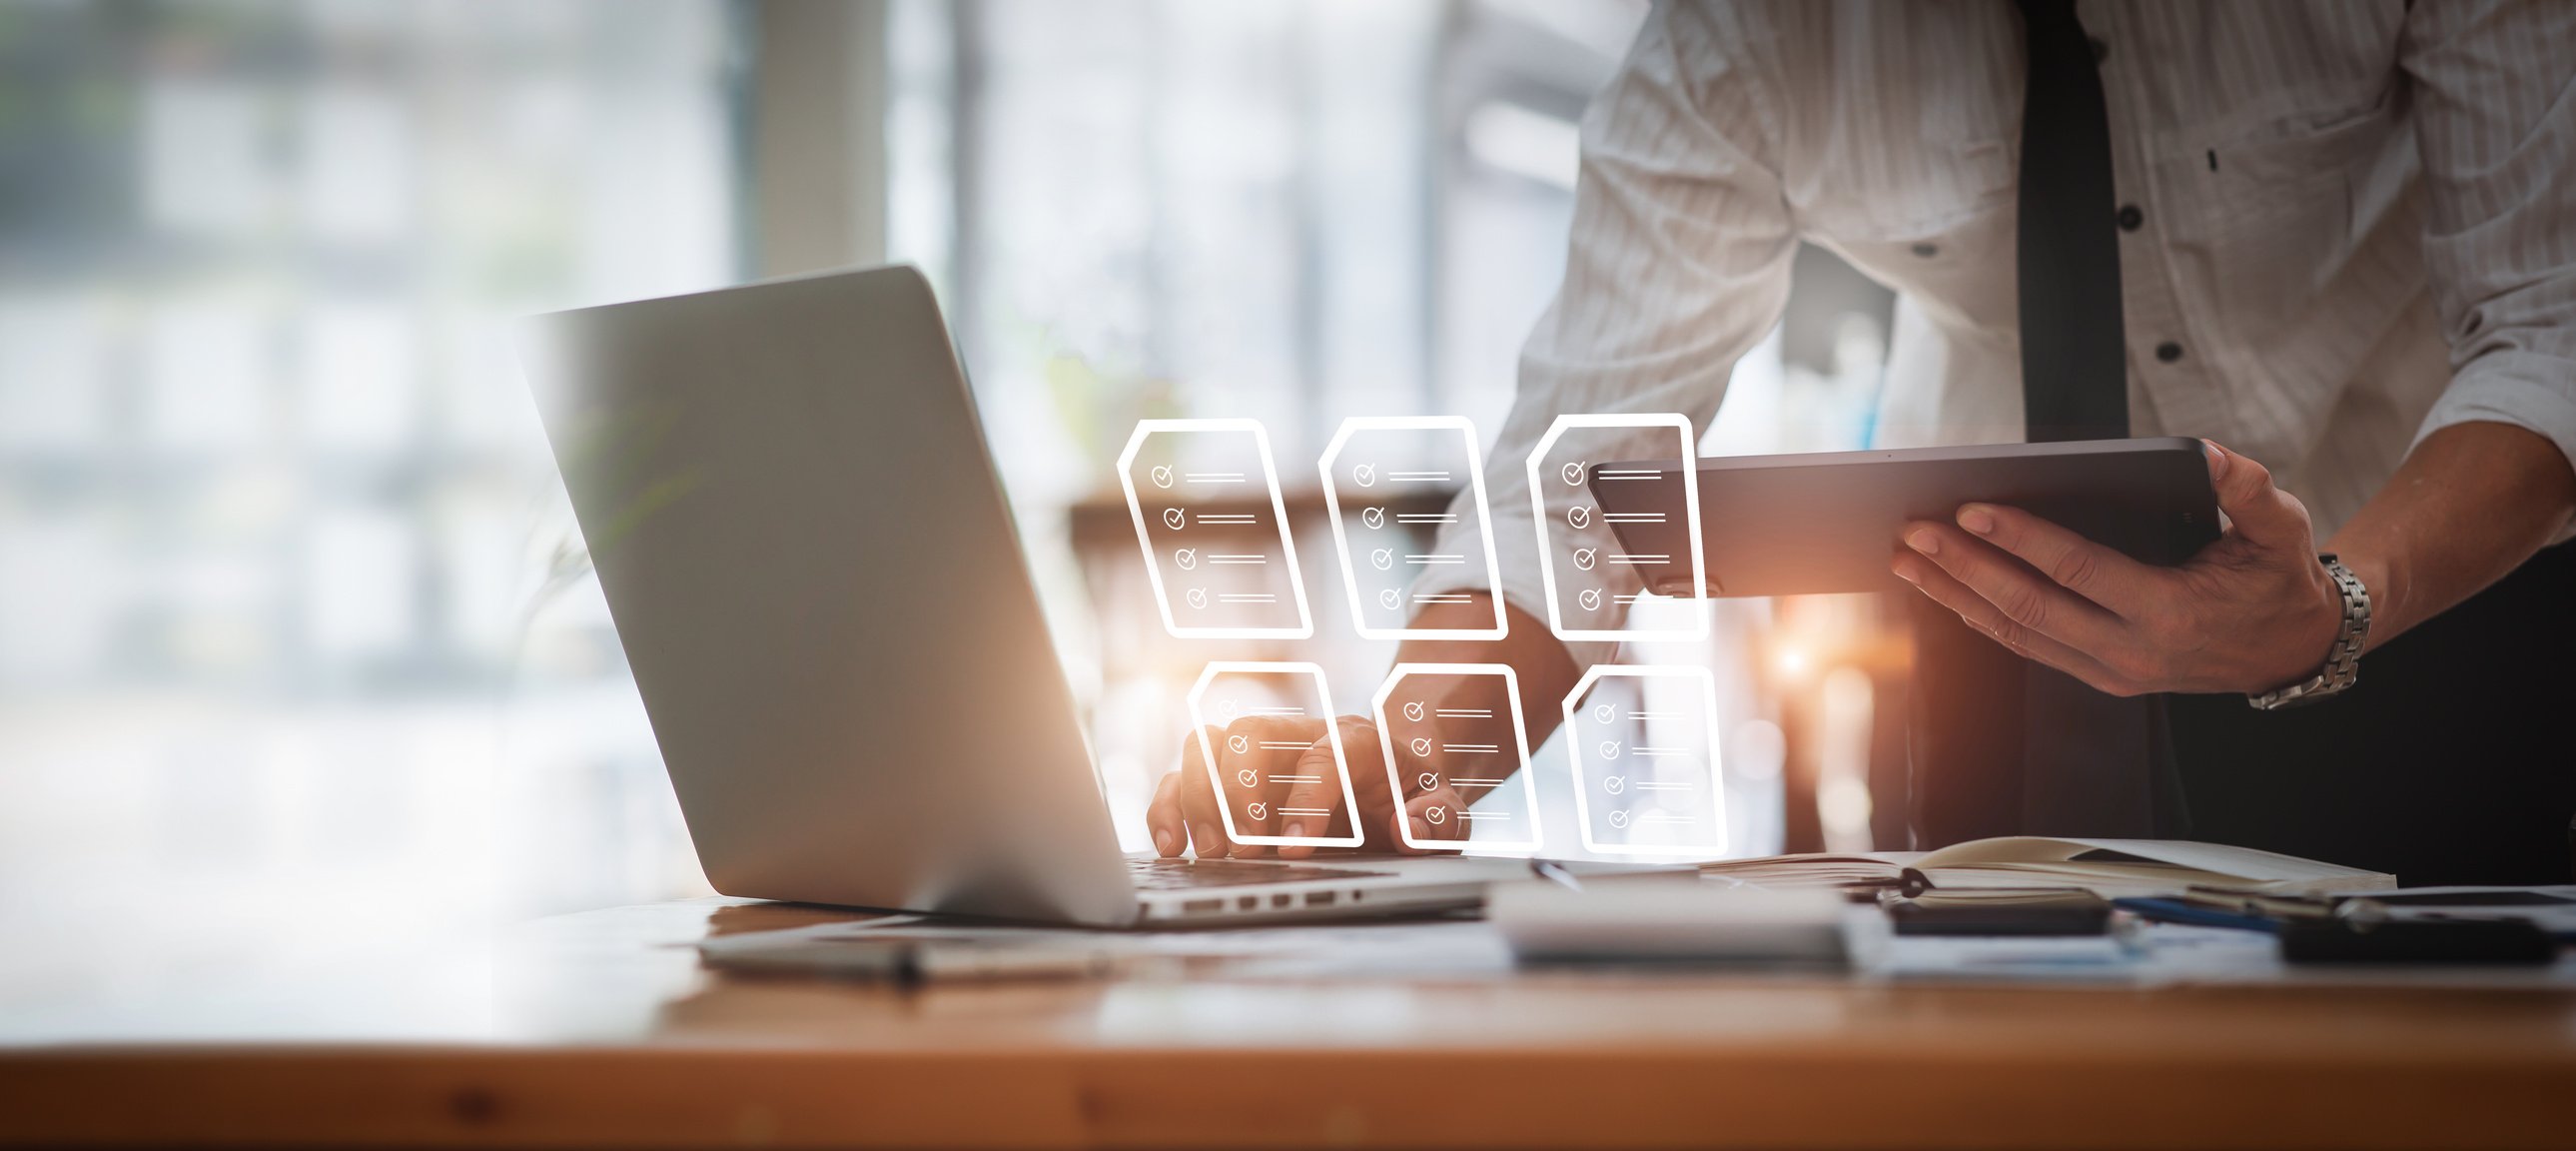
column 2168, row 351
column 1927, row 250
column 2131, row 219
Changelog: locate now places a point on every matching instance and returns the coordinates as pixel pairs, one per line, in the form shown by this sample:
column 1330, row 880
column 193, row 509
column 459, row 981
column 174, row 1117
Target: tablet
column 1827, row 521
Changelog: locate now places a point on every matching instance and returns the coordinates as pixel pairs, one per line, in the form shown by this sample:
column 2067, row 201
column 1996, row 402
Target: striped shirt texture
column 2355, row 223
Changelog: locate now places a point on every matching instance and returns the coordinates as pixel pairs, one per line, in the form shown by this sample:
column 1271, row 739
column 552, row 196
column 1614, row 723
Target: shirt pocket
column 2275, row 212
column 2327, row 133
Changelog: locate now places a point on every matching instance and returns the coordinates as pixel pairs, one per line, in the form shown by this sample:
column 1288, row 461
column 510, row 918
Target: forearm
column 2470, row 504
column 1537, row 659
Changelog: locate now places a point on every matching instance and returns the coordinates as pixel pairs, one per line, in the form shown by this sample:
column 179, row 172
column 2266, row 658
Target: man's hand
column 1260, row 781
column 2251, row 612
column 1184, row 813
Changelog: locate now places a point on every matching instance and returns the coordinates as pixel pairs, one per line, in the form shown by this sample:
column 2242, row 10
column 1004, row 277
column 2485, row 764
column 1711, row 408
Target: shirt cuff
column 2527, row 390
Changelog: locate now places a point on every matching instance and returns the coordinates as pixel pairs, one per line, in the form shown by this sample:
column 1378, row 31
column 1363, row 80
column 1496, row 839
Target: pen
column 1555, row 874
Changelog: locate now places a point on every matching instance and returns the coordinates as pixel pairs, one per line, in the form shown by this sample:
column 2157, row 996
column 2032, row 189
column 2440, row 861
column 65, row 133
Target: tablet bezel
column 1827, row 522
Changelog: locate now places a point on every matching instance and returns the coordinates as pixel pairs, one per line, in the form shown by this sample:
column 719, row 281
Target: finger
column 1366, row 750
column 1277, row 747
column 1437, row 815
column 1384, row 791
column 1312, row 799
column 1253, row 761
column 2020, row 594
column 2077, row 564
column 1312, row 805
column 1163, row 815
column 2260, row 512
column 1989, row 620
column 1200, row 797
column 1414, row 775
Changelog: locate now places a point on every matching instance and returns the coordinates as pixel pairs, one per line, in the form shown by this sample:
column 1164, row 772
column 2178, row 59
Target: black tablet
column 1827, row 521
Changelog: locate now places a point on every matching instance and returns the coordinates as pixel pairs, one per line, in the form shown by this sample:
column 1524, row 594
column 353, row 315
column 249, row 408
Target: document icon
column 1214, row 529
column 1643, row 741
column 1275, row 757
column 1457, row 755
column 1407, row 498
column 1599, row 585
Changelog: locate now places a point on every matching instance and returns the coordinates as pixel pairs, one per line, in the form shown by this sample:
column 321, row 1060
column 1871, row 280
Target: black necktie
column 2089, row 761
column 2074, row 374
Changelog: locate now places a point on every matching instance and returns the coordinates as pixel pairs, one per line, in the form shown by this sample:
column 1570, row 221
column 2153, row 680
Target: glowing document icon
column 1276, row 759
column 1644, row 745
column 1214, row 529
column 1387, row 483
column 1453, row 740
column 1594, row 579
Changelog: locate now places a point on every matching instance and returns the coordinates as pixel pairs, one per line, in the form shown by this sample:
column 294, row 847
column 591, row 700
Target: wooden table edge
column 1652, row 1096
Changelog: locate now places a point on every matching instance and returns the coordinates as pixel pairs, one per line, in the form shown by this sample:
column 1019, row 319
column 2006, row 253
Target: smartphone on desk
column 2341, row 940
column 1997, row 911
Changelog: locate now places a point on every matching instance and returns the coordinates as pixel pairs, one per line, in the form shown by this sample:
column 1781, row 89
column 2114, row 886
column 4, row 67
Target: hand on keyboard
column 1278, row 772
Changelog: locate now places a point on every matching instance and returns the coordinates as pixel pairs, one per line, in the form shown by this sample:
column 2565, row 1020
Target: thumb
column 2262, row 513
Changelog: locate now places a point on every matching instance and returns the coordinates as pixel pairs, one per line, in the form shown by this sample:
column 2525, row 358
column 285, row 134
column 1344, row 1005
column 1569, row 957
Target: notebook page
column 2243, row 864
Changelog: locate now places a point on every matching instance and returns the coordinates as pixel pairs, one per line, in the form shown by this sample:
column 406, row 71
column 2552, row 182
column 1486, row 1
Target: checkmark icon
column 1590, row 598
column 1374, row 517
column 1364, row 475
column 1421, row 747
column 1384, row 558
column 1238, row 744
column 1187, row 558
column 1609, row 749
column 1413, row 711
column 1247, row 777
column 1390, row 599
column 1573, row 474
column 1437, row 815
column 1429, row 780
column 1579, row 516
column 1619, row 819
column 1615, row 784
column 1605, row 713
column 1197, row 597
column 1162, row 475
column 1257, row 809
column 1175, row 518
column 1583, row 558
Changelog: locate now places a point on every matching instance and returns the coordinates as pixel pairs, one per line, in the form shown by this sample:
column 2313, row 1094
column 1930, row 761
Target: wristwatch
column 2343, row 660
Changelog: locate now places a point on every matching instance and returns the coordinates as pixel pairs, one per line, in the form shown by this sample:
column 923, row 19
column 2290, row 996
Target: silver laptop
column 814, row 572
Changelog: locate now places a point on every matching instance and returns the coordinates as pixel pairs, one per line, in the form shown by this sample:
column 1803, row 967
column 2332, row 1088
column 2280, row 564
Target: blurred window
column 289, row 597
column 275, row 513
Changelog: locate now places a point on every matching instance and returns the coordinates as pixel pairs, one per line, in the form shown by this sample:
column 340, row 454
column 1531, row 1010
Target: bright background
column 291, row 608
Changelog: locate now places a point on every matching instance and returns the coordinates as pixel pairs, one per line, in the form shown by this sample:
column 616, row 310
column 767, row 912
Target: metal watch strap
column 2343, row 660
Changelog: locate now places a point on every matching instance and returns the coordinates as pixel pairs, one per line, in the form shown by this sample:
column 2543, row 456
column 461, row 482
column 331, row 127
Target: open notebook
column 2112, row 868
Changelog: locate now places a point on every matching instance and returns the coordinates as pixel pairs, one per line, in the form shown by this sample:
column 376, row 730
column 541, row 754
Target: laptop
column 812, row 567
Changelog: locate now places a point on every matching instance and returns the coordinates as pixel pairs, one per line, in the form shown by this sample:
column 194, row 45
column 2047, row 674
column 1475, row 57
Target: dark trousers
column 2453, row 760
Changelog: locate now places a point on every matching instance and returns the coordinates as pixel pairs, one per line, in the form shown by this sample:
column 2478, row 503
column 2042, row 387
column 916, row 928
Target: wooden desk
column 601, row 1030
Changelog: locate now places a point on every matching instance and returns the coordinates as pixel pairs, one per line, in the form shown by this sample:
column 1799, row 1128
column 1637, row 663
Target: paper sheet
column 2151, row 955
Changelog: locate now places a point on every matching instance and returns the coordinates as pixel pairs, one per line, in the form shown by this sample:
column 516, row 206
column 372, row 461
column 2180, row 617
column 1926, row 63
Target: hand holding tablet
column 1827, row 522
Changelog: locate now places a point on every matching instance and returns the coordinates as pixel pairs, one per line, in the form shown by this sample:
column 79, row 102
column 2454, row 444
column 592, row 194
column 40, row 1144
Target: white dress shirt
column 2356, row 223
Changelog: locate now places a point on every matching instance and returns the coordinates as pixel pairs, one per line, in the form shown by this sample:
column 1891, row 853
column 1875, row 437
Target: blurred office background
column 290, row 603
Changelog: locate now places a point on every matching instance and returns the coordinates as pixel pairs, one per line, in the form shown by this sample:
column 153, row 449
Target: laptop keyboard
column 1186, row 874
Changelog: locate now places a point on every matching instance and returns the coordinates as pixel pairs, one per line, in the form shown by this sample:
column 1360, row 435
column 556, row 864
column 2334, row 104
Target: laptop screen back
column 814, row 574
